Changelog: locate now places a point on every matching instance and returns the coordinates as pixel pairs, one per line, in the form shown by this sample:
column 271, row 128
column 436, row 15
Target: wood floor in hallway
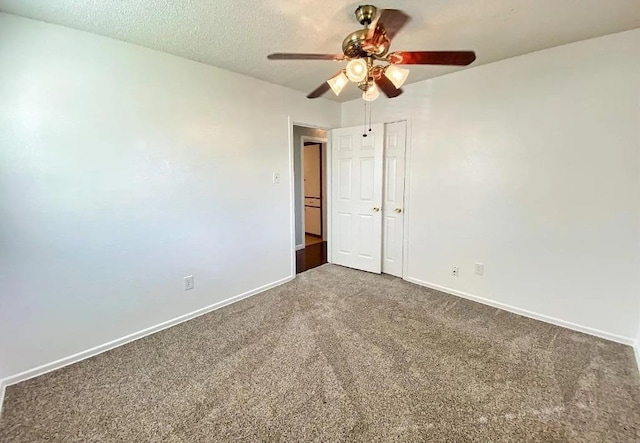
column 311, row 257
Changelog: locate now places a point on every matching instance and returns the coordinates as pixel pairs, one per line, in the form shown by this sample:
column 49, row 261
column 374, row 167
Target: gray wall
column 299, row 131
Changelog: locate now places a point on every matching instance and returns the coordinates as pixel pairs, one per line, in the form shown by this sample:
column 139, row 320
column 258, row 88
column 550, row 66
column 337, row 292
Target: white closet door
column 393, row 206
column 356, row 187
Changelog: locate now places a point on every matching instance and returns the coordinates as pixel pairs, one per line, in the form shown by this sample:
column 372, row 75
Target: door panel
column 367, row 179
column 366, row 230
column 356, row 219
column 394, row 166
column 344, row 233
column 345, row 178
column 391, row 168
column 390, row 228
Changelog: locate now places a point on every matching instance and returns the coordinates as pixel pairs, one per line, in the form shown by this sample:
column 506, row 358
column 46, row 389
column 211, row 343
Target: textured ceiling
column 238, row 34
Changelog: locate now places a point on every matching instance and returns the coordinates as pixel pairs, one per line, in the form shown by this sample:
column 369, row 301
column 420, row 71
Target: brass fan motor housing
column 352, row 44
column 355, row 44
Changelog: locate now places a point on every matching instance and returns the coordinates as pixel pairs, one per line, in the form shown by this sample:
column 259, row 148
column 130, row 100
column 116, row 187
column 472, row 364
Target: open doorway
column 310, row 195
column 312, row 191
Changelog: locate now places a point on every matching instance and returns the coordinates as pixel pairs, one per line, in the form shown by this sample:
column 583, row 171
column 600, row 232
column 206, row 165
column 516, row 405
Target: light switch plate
column 276, row 177
column 188, row 282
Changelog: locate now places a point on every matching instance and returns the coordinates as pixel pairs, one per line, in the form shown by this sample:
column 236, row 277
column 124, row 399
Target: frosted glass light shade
column 357, row 70
column 338, row 83
column 371, row 93
column 397, row 75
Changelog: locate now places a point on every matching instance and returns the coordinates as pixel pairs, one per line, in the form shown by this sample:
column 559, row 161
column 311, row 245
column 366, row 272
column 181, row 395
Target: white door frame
column 407, row 197
column 323, row 144
column 291, row 122
column 407, row 205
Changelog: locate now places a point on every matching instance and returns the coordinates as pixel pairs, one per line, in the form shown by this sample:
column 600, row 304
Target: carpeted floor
column 340, row 355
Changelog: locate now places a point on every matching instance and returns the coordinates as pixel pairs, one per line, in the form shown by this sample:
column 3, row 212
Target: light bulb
column 397, row 75
column 371, row 93
column 338, row 82
column 357, row 70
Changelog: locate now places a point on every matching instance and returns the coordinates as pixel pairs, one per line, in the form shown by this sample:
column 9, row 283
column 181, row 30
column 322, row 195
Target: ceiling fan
column 365, row 47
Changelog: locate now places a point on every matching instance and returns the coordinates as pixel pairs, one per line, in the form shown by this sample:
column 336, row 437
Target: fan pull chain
column 364, row 122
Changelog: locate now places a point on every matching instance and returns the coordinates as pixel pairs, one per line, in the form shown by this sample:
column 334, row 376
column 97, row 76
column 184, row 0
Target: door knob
column 376, row 209
column 398, row 210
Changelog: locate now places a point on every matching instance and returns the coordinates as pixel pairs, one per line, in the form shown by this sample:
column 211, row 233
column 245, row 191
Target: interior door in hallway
column 393, row 197
column 356, row 188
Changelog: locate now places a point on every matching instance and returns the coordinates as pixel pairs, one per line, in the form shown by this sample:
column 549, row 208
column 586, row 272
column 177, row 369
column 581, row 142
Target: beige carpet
column 340, row 355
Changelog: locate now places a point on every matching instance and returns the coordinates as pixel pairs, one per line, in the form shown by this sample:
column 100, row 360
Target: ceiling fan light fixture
column 357, row 70
column 371, row 93
column 338, row 83
column 366, row 52
column 396, row 75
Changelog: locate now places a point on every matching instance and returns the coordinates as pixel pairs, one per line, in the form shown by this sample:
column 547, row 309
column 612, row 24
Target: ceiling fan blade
column 454, row 58
column 290, row 56
column 324, row 87
column 389, row 23
column 387, row 87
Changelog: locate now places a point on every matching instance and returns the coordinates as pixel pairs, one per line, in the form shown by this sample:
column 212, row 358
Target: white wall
column 122, row 170
column 531, row 166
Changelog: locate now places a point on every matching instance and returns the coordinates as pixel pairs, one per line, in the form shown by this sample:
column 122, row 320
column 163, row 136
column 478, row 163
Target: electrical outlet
column 188, row 282
column 276, row 177
column 479, row 268
column 454, row 271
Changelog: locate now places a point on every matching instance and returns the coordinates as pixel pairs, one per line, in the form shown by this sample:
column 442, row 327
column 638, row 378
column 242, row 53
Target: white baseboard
column 48, row 367
column 525, row 313
column 636, row 350
column 298, row 247
column 2, row 389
